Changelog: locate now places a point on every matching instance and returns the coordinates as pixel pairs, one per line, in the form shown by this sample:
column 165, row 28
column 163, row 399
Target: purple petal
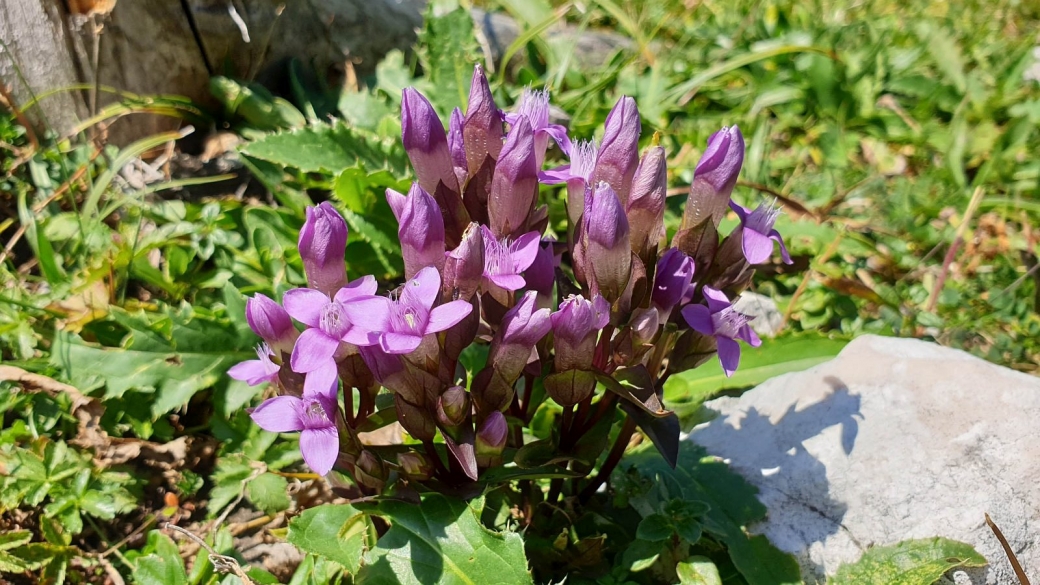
column 305, row 305
column 748, row 334
column 775, row 236
column 523, row 250
column 320, row 448
column 397, row 202
column 512, row 118
column 556, row 176
column 699, row 319
column 729, row 354
column 362, row 287
column 508, row 281
column 447, row 315
column 321, row 381
column 741, row 211
column 280, row 414
column 313, row 350
column 559, row 136
column 368, row 313
column 757, row 247
column 717, row 299
column 360, row 337
column 254, row 372
column 398, row 343
column 422, row 289
column 601, row 312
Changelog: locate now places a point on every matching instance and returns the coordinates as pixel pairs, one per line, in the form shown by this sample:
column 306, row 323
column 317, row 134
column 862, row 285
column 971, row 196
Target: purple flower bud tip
column 619, row 150
column 609, row 255
column 646, row 203
column 673, row 279
column 719, row 320
column 525, row 324
column 401, row 323
column 456, row 145
column 514, row 188
column 542, row 272
column 578, row 317
column 453, row 406
column 505, row 261
column 425, row 142
column 645, row 323
column 757, row 232
column 322, row 245
column 720, row 164
column 482, row 126
column 491, row 438
column 314, row 417
column 270, row 321
column 464, row 266
column 421, row 229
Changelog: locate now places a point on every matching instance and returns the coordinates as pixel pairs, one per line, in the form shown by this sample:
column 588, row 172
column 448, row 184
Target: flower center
column 333, row 320
column 535, row 106
column 497, row 259
column 728, row 322
column 314, row 415
column 763, row 217
column 583, row 160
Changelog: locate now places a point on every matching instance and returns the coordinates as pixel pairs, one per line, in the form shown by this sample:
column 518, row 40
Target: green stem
column 613, row 458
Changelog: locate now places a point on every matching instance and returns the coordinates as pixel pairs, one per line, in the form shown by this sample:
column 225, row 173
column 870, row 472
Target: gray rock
column 893, row 439
column 767, row 316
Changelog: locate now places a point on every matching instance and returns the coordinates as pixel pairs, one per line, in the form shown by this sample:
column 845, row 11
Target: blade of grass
column 530, row 35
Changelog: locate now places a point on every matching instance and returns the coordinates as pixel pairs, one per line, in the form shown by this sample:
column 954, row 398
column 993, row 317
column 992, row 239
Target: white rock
column 893, row 439
column 767, row 316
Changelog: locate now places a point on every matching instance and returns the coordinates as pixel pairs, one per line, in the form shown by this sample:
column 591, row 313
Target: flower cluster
column 611, row 299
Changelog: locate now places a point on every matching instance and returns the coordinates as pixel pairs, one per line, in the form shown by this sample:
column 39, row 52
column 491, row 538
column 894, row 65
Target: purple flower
column 619, row 149
column 608, row 256
column 541, row 274
column 505, row 261
column 270, row 321
column 756, row 231
column 521, row 329
column 328, row 326
column 425, row 142
column 482, row 126
column 314, row 416
column 257, row 371
column 514, row 188
column 534, row 105
column 578, row 177
column 421, row 229
column 402, row 323
column 673, row 279
column 715, row 177
column 491, row 440
column 645, row 323
column 645, row 208
column 575, row 327
column 457, row 147
column 725, row 324
column 323, row 243
column 464, row 266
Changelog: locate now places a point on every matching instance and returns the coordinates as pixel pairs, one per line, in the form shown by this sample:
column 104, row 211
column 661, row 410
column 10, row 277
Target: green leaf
column 338, row 532
column 327, row 147
column 911, row 562
column 654, row 527
column 14, row 538
column 268, row 493
column 443, row 542
column 733, row 506
column 641, row 554
column 164, row 566
column 448, row 51
column 698, row 571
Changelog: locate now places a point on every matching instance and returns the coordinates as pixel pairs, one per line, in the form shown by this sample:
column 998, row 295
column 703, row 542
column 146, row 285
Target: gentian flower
column 514, row 188
column 323, row 243
column 645, row 209
column 534, row 105
column 541, row 274
column 725, row 324
column 715, row 177
column 464, row 266
column 756, row 231
column 578, row 177
column 457, row 147
column 575, row 327
column 521, row 329
column 426, row 143
column 482, row 126
column 619, row 149
column 673, row 279
column 314, row 416
column 258, row 371
column 329, row 325
column 270, row 321
column 401, row 323
column 491, row 440
column 505, row 261
column 608, row 255
column 421, row 229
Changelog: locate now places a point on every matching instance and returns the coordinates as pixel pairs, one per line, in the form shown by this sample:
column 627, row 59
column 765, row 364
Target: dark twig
column 613, row 458
column 1022, row 578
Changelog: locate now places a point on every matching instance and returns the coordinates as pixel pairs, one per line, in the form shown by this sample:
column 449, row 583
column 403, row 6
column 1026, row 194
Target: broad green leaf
column 338, row 532
column 911, row 562
column 327, row 147
column 698, row 571
column 448, row 50
column 164, row 566
column 654, row 527
column 734, row 506
column 268, row 493
column 443, row 542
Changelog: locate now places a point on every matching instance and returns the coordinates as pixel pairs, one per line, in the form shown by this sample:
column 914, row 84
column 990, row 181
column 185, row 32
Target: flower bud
column 272, row 323
column 491, row 440
column 426, row 143
column 464, row 266
column 514, row 189
column 370, row 471
column 715, row 177
column 482, row 126
column 608, row 255
column 453, row 407
column 575, row 327
column 417, row 421
column 673, row 279
column 542, row 272
column 645, row 209
column 322, row 245
column 420, row 229
column 414, row 466
column 392, row 373
column 645, row 323
column 457, row 147
column 521, row 328
column 619, row 150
